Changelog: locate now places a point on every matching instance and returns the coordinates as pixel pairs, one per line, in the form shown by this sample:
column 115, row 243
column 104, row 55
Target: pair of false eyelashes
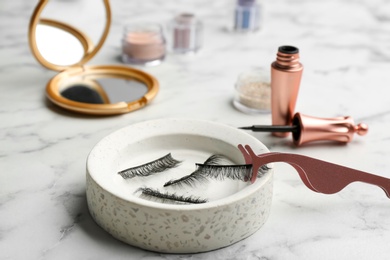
column 210, row 169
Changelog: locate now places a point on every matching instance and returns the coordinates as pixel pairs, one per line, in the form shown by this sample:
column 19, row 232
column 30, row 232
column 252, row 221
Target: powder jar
column 247, row 16
column 186, row 32
column 253, row 92
column 143, row 44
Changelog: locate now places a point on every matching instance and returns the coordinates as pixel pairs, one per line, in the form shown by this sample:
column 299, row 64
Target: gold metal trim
column 102, row 71
column 89, row 48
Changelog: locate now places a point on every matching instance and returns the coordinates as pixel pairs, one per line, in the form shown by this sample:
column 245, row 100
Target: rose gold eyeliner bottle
column 286, row 73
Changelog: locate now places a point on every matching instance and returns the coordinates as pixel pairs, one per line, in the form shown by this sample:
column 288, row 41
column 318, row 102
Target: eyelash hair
column 212, row 160
column 154, row 194
column 210, row 168
column 241, row 172
column 188, row 180
column 156, row 166
column 220, row 172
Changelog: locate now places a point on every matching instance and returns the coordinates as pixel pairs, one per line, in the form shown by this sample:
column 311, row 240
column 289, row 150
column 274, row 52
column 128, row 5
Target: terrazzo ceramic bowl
column 235, row 209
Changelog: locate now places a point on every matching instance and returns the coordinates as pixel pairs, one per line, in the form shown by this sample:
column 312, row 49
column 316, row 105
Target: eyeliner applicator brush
column 306, row 129
column 272, row 128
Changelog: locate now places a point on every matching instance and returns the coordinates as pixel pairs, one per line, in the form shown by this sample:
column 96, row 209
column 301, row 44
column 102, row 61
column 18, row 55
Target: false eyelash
column 220, row 172
column 210, row 169
column 188, row 179
column 158, row 165
column 150, row 193
column 212, row 160
column 216, row 159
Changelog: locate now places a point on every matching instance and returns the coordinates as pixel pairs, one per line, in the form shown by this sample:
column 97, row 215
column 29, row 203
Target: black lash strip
column 211, row 169
column 216, row 159
column 188, row 179
column 170, row 197
column 158, row 165
column 242, row 172
column 221, row 172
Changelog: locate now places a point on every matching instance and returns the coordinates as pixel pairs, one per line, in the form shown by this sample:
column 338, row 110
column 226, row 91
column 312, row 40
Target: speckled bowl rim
column 244, row 138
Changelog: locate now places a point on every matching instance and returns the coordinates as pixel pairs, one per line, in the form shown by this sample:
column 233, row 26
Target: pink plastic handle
column 317, row 175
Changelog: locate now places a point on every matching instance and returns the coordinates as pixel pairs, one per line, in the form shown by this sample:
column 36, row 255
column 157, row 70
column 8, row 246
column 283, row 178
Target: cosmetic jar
column 143, row 44
column 247, row 16
column 186, row 33
column 253, row 92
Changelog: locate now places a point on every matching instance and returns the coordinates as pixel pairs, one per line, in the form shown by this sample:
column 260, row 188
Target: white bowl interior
column 189, row 141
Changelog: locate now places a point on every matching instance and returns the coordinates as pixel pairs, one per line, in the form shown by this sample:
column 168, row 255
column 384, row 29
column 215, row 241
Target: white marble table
column 345, row 48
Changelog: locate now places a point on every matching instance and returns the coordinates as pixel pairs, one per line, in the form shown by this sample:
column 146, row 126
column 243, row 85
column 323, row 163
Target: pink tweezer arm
column 317, row 175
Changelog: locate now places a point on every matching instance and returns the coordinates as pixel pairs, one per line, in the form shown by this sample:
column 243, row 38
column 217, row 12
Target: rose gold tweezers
column 317, row 175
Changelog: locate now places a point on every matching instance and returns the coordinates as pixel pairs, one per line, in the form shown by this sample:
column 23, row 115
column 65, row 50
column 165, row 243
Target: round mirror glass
column 61, row 39
column 58, row 46
column 102, row 90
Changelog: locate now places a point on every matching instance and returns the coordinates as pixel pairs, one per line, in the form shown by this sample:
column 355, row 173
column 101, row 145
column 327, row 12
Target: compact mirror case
column 88, row 89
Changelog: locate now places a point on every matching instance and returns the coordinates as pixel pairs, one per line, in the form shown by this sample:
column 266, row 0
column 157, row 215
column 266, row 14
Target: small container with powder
column 253, row 92
column 143, row 44
column 247, row 16
column 186, row 32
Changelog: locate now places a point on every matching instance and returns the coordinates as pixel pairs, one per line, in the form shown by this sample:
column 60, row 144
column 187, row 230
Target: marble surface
column 345, row 48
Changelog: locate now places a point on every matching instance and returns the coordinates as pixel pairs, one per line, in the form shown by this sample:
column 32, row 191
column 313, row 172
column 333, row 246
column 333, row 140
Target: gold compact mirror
column 93, row 89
